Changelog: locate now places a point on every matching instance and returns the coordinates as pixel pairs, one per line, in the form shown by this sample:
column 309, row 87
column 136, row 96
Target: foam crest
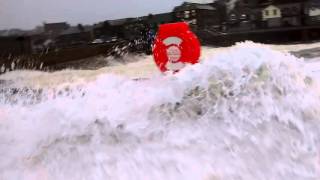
column 245, row 113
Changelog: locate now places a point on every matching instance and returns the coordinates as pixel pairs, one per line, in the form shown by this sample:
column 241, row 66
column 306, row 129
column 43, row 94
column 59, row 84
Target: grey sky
column 27, row 14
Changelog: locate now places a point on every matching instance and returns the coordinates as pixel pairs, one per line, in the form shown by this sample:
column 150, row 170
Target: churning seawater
column 247, row 113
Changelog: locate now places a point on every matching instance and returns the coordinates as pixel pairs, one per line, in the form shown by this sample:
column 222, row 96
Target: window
column 194, row 13
column 286, row 11
column 232, row 17
column 275, row 12
column 243, row 16
column 186, row 14
column 295, row 10
column 266, row 12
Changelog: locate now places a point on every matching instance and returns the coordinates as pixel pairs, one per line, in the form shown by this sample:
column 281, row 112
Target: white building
column 315, row 11
column 271, row 12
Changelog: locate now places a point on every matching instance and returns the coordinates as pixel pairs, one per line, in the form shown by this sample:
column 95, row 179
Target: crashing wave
column 246, row 113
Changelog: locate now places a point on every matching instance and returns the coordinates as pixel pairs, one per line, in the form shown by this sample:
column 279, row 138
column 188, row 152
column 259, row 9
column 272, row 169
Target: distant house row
column 59, row 35
column 250, row 14
column 51, row 36
column 218, row 17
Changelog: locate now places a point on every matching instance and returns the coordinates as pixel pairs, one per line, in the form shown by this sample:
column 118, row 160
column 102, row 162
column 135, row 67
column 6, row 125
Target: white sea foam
column 248, row 112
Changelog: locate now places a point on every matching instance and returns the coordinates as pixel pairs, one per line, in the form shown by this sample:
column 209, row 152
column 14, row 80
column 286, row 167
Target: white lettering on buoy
column 173, row 53
column 172, row 40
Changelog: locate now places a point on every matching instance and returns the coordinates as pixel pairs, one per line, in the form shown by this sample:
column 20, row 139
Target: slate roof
column 275, row 2
column 118, row 22
column 56, row 26
column 158, row 18
column 75, row 30
column 191, row 6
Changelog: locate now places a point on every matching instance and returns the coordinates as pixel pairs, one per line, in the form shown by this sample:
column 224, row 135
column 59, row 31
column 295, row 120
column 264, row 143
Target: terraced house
column 282, row 13
column 198, row 15
column 312, row 12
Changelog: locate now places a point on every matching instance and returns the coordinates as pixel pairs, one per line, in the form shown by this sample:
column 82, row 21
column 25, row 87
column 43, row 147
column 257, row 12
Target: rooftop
column 191, row 6
column 76, row 29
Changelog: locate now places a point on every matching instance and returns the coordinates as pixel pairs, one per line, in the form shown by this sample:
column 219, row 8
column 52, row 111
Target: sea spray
column 246, row 113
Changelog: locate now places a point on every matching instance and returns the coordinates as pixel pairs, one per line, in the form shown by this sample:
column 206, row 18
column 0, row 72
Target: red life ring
column 175, row 46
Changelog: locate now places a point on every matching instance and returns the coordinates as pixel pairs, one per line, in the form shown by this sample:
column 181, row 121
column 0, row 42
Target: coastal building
column 197, row 15
column 242, row 16
column 281, row 13
column 312, row 12
column 75, row 35
column 54, row 29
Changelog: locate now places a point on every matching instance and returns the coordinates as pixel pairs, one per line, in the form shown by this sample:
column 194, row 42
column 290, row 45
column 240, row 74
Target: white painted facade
column 271, row 12
column 314, row 12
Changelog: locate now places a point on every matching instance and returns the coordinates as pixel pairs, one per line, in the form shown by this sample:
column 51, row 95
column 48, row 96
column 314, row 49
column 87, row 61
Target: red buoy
column 175, row 46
